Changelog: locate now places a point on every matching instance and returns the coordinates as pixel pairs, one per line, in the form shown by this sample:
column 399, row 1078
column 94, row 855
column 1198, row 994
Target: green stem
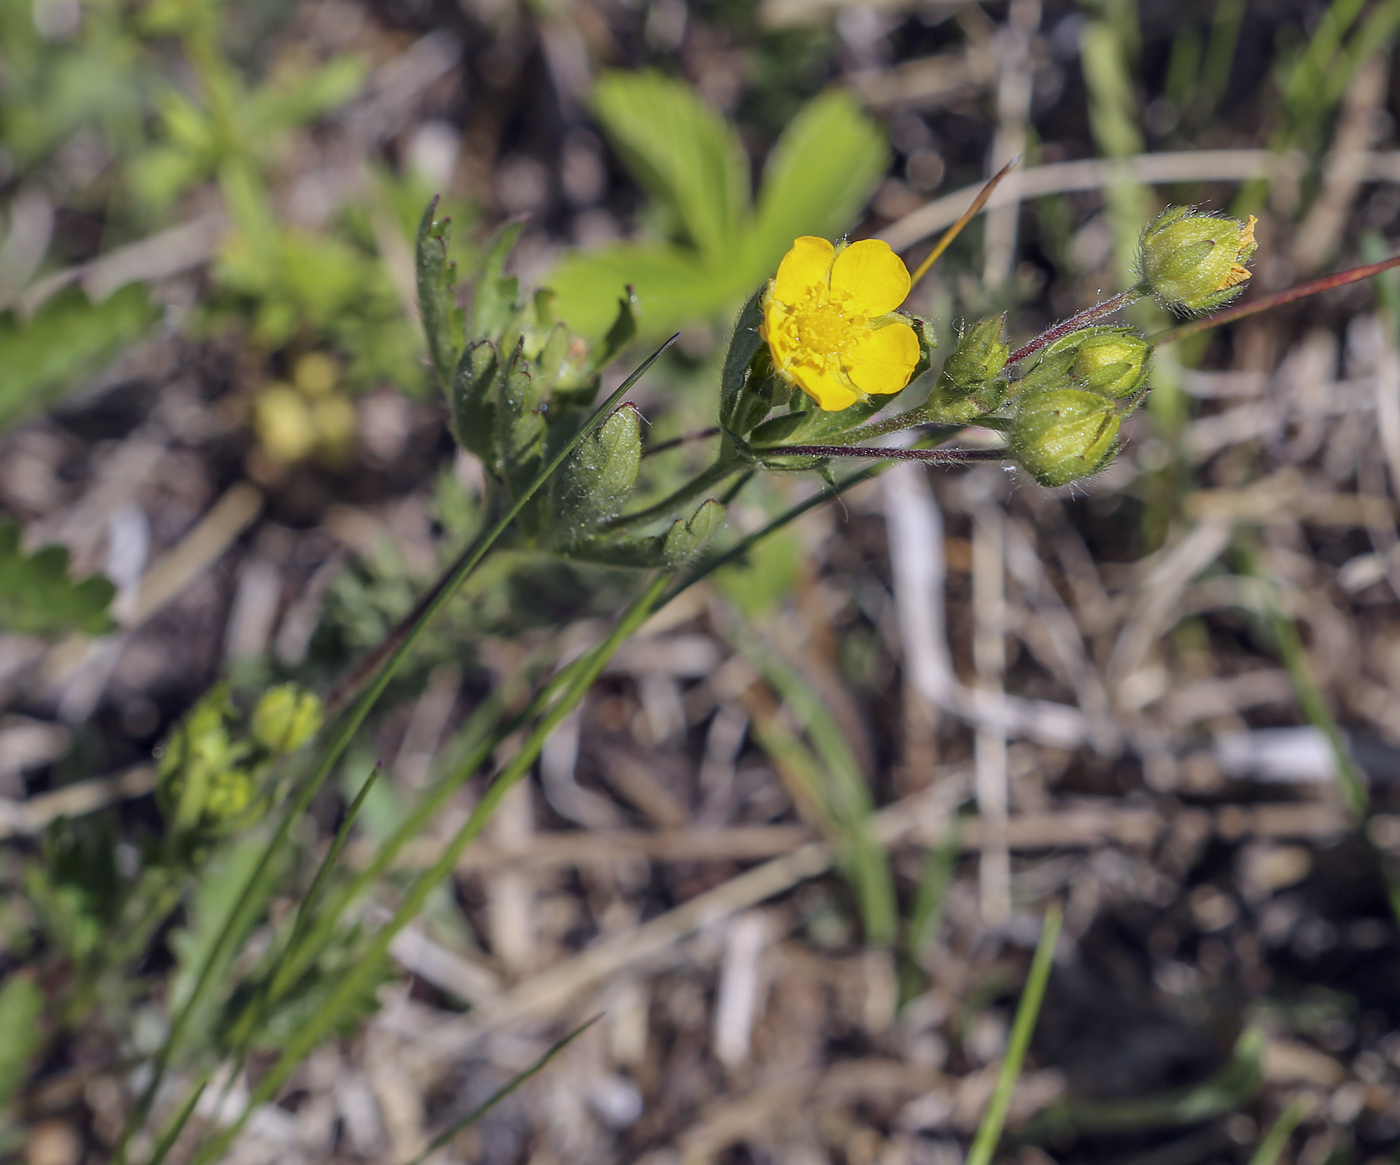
column 247, row 899
column 357, row 980
column 725, row 465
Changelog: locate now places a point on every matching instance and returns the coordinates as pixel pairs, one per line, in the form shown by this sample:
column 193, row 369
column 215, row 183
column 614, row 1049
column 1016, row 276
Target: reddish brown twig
column 683, row 439
column 956, row 229
column 880, row 453
column 1302, row 291
column 1075, row 322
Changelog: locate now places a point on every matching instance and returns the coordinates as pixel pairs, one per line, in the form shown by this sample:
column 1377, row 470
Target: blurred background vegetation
column 797, row 841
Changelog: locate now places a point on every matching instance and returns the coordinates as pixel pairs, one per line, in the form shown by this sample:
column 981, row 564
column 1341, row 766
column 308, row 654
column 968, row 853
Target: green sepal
column 496, row 296
column 978, row 358
column 472, row 401
column 739, row 377
column 598, row 479
column 682, row 542
column 437, row 295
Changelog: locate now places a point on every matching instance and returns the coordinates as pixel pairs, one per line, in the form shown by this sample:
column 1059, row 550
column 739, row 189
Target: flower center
column 824, row 326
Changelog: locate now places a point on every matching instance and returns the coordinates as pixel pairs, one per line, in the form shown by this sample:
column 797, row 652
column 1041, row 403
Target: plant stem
column 881, row 453
column 683, row 439
column 1264, row 303
column 1075, row 322
column 724, row 465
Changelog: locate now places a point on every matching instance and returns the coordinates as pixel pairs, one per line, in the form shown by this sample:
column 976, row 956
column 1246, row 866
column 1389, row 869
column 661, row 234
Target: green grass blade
column 501, row 1093
column 833, row 777
column 352, row 984
column 1276, row 1140
column 350, row 724
column 179, row 1121
column 984, row 1144
column 926, row 919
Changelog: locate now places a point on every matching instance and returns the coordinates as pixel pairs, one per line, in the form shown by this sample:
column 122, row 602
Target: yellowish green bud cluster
column 1071, row 404
column 1193, row 262
column 285, row 718
column 213, row 766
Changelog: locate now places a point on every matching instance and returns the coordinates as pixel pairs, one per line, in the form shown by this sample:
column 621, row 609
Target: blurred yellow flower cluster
column 308, row 417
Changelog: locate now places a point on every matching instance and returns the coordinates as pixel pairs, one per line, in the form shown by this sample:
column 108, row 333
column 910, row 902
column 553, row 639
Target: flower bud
column 979, row 356
column 1107, row 360
column 285, row 718
column 1064, row 434
column 969, row 385
column 1195, row 262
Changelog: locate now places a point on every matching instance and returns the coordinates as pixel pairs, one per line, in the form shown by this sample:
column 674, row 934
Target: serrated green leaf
column 437, row 296
column 66, row 339
column 38, row 598
column 818, row 176
column 496, row 296
column 682, row 151
column 21, row 1006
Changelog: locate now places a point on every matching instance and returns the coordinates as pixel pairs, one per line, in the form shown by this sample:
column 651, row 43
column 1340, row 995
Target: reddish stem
column 880, row 453
column 1302, row 291
column 1074, row 323
column 683, row 439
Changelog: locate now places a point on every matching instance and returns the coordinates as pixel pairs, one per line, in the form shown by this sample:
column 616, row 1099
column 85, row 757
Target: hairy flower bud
column 969, row 384
column 1195, row 262
column 285, row 718
column 1109, row 360
column 1064, row 434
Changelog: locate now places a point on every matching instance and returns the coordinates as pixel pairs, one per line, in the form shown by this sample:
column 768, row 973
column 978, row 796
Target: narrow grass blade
column 1276, row 1140
column 833, row 778
column 984, row 1144
column 178, row 1122
column 926, row 919
column 323, row 1020
column 350, row 724
column 500, row 1094
column 957, row 228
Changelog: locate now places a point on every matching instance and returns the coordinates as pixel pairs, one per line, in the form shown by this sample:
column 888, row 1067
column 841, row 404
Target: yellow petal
column 883, row 360
column 874, row 276
column 823, row 387
column 802, row 268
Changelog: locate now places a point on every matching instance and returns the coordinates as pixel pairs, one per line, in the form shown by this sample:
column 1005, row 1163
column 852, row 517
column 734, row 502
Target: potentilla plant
column 817, row 352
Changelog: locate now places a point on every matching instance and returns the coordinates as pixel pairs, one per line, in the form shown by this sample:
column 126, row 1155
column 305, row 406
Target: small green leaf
column 496, row 296
column 21, row 1006
column 38, row 598
column 437, row 292
column 670, row 286
column 682, row 151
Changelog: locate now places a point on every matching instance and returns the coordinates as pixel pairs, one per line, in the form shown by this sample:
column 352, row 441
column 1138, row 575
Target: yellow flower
column 827, row 321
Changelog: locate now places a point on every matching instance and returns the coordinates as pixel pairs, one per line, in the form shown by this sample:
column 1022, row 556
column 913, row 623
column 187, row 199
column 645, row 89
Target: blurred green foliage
column 38, row 598
column 66, row 339
column 712, row 243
